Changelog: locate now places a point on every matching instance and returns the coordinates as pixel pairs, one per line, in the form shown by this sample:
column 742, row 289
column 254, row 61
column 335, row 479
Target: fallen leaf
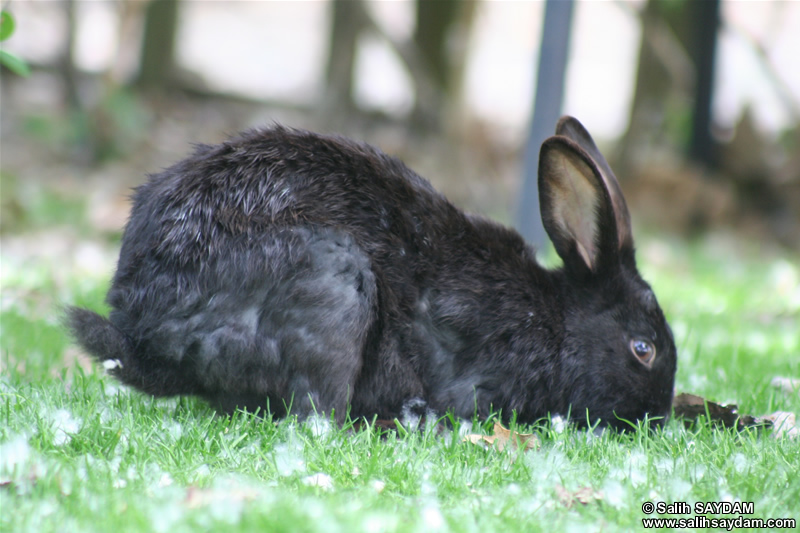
column 690, row 407
column 504, row 437
column 784, row 424
column 787, row 385
column 584, row 496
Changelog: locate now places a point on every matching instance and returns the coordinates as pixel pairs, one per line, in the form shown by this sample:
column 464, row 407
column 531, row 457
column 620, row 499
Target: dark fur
column 286, row 267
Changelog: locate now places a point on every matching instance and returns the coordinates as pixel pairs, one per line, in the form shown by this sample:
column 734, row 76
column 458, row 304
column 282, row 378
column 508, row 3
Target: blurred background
column 695, row 103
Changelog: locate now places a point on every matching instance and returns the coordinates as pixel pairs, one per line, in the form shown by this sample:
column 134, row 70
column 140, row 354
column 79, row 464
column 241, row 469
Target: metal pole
column 547, row 105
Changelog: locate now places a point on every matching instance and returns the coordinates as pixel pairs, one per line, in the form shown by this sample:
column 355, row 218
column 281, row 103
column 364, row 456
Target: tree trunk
column 66, row 63
column 157, row 63
column 651, row 97
column 702, row 148
column 434, row 24
column 346, row 25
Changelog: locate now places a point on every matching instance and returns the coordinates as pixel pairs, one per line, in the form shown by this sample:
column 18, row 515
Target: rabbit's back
column 223, row 209
column 237, row 191
column 227, row 203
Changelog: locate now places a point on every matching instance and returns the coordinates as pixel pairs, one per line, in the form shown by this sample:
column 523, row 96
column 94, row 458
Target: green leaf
column 14, row 63
column 6, row 25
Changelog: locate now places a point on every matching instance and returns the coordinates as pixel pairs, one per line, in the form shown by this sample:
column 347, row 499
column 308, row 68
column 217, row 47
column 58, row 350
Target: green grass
column 78, row 452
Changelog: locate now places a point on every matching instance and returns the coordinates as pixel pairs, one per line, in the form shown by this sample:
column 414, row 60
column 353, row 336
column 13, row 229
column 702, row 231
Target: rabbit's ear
column 570, row 127
column 577, row 209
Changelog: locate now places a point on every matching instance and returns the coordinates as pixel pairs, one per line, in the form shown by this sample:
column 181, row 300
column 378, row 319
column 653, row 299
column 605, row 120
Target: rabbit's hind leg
column 311, row 329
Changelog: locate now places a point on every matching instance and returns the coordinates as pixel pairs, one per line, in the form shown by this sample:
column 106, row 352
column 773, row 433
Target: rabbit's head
column 618, row 355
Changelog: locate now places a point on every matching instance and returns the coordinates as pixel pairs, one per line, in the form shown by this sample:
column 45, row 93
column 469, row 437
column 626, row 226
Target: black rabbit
column 287, row 269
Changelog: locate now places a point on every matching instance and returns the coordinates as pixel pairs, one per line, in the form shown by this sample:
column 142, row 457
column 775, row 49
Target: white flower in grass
column 558, row 424
column 64, row 426
column 202, row 471
column 323, row 481
column 13, row 453
column 726, row 496
column 173, row 428
column 700, row 471
column 637, row 464
column 432, row 518
column 289, row 459
column 376, row 523
column 377, row 485
column 164, row 517
column 228, row 508
column 614, row 493
column 318, row 425
column 679, row 489
column 664, row 465
column 740, row 462
column 111, row 389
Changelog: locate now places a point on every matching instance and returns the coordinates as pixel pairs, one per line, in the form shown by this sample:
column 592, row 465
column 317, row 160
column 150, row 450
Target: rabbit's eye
column 643, row 350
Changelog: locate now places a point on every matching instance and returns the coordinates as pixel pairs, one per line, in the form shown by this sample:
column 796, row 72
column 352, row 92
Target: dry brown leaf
column 690, row 407
column 584, row 496
column 502, row 437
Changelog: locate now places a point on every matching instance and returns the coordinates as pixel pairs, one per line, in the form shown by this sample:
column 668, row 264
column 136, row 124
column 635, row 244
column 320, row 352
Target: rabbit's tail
column 116, row 350
column 98, row 336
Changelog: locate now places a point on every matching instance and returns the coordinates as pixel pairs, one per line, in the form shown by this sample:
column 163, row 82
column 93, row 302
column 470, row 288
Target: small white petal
column 558, row 424
column 323, row 481
column 110, row 364
column 432, row 518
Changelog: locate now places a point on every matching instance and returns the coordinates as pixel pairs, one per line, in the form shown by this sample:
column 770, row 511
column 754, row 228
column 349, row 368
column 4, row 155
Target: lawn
column 79, row 452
